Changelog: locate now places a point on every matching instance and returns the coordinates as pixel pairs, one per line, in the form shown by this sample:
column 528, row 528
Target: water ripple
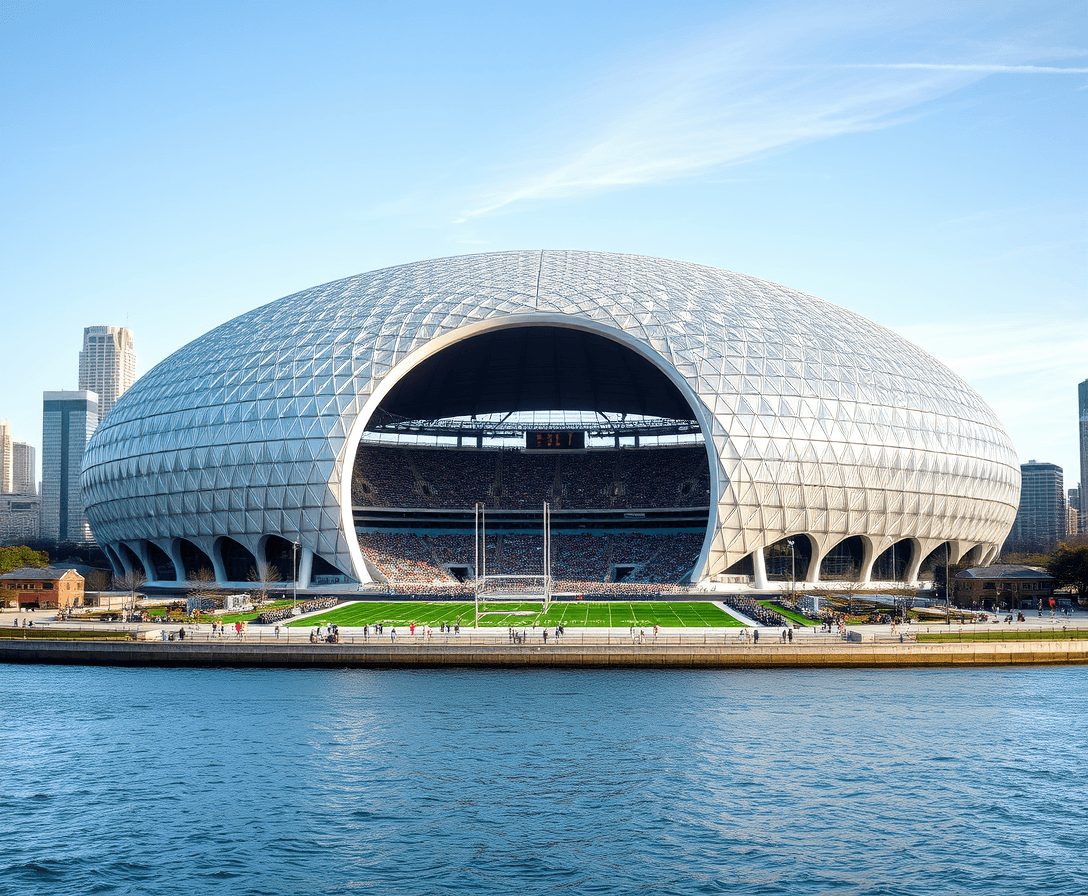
column 284, row 782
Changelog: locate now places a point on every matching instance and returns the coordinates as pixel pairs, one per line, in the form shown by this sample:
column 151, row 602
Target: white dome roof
column 819, row 421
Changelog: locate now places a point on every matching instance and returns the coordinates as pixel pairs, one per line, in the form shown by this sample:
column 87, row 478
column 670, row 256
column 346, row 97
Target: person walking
column 393, row 635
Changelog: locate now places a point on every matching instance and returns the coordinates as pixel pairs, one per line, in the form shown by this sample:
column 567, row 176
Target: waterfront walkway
column 876, row 645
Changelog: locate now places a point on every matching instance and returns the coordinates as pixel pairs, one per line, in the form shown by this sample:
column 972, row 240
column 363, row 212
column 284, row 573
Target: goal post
column 512, row 587
column 511, row 595
column 502, row 587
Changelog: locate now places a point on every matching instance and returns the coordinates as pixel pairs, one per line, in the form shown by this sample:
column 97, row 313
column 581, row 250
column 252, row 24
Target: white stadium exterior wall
column 818, row 421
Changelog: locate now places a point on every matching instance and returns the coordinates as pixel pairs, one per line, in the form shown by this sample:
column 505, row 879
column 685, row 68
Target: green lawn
column 789, row 614
column 42, row 633
column 1006, row 634
column 617, row 614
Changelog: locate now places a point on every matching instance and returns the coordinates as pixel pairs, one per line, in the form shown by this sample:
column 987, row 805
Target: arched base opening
column 843, row 563
column 198, row 565
column 239, row 565
column 892, row 564
column 280, row 555
column 935, row 564
column 788, row 559
column 161, row 564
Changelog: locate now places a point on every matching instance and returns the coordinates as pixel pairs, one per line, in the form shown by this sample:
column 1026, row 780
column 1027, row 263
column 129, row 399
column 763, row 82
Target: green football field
column 599, row 614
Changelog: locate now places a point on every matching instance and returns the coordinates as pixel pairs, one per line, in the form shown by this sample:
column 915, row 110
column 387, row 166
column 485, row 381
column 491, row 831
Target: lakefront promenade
column 1044, row 642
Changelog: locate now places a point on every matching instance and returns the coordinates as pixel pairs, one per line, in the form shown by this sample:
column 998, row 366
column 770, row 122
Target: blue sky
column 170, row 166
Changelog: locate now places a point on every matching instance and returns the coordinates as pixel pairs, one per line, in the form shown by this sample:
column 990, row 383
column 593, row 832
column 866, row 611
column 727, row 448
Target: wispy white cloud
column 758, row 86
column 986, row 349
column 981, row 68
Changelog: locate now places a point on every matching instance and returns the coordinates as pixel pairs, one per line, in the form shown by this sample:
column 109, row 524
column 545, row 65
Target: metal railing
column 526, row 638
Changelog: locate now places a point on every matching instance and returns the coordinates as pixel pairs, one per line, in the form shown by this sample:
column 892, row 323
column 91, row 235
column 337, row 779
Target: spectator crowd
column 598, row 479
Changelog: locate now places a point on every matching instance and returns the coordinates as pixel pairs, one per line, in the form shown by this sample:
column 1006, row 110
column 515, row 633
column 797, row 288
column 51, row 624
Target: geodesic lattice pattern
column 822, row 422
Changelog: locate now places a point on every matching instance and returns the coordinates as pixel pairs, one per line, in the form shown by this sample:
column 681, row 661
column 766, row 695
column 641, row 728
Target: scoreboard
column 554, row 440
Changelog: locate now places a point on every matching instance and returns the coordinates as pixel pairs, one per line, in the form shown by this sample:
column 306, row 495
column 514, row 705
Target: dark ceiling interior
column 534, row 368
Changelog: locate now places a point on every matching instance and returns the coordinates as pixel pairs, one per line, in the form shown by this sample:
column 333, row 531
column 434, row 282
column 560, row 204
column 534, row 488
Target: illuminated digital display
column 554, row 440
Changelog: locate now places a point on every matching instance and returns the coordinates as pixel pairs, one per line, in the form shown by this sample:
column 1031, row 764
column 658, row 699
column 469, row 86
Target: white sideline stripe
column 301, row 616
column 736, row 614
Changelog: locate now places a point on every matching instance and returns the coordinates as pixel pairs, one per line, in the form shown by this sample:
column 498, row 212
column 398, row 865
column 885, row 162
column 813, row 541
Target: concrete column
column 145, row 560
column 910, row 574
column 868, row 558
column 305, row 567
column 216, row 555
column 113, row 555
column 759, row 570
column 173, row 551
column 124, row 555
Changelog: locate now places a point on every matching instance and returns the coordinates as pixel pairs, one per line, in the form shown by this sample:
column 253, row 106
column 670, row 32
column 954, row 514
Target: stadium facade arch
column 820, row 427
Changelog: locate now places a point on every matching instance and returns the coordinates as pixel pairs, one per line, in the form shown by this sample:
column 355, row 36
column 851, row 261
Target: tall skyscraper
column 1082, row 515
column 107, row 364
column 68, row 421
column 24, row 469
column 7, row 461
column 1040, row 520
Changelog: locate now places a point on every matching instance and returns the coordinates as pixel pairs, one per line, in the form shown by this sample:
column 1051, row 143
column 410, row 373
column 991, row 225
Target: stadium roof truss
column 816, row 420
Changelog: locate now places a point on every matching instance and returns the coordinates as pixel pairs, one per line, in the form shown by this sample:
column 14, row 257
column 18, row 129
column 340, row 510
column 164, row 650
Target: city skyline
column 920, row 167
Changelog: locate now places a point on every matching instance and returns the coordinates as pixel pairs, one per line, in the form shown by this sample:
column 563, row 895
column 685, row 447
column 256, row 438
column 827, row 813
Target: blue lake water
column 857, row 782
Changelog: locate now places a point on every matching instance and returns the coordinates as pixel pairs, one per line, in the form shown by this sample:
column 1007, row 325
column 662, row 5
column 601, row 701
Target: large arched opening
column 635, row 464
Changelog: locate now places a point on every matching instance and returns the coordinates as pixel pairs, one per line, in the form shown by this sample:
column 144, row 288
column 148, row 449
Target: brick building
column 1012, row 586
column 47, row 588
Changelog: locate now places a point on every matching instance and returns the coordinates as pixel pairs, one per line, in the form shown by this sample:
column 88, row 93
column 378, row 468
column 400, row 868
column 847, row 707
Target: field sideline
column 575, row 614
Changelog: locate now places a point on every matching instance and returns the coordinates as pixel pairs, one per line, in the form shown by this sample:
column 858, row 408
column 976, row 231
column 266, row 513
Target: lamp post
column 793, row 567
column 476, row 568
column 895, row 578
column 947, row 585
column 294, row 578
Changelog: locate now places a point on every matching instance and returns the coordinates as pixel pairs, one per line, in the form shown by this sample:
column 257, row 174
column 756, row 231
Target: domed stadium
column 672, row 423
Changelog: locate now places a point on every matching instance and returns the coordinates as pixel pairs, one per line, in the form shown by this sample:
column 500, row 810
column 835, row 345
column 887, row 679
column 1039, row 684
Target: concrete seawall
column 696, row 656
